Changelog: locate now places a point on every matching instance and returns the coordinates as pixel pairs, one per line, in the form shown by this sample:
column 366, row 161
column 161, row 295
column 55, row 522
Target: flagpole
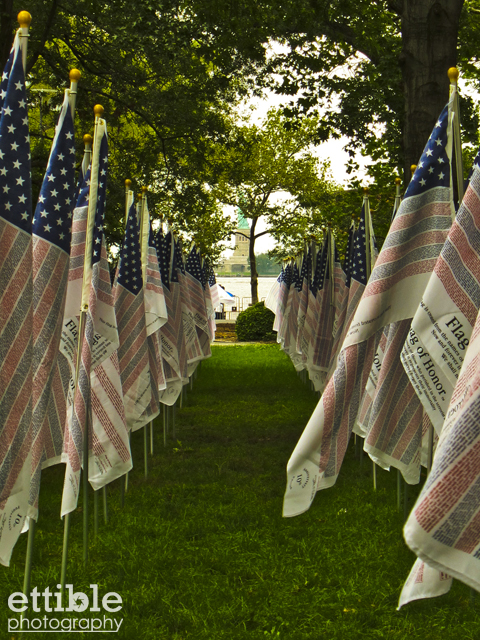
column 87, row 139
column 128, row 184
column 457, row 140
column 128, row 195
column 74, row 76
column 87, row 278
column 368, row 225
column 87, row 154
column 24, row 20
column 368, row 267
column 331, row 259
column 398, row 198
column 144, row 232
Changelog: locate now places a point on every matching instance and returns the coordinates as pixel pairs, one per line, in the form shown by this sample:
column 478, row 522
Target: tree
column 266, row 266
column 169, row 72
column 265, row 172
column 377, row 70
column 166, row 80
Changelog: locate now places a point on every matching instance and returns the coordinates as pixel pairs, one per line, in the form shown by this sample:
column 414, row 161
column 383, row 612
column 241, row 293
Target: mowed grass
column 201, row 551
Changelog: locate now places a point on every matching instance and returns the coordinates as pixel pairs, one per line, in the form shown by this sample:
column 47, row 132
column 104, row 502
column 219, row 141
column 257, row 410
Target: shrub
column 255, row 323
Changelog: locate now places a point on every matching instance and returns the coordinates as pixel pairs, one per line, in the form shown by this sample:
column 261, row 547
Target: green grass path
column 201, row 551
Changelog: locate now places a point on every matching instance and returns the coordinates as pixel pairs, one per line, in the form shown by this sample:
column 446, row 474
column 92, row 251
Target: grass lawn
column 201, row 551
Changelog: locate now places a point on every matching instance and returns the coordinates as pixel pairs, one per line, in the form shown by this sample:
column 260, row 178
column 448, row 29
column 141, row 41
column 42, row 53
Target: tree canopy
column 170, row 72
column 270, row 172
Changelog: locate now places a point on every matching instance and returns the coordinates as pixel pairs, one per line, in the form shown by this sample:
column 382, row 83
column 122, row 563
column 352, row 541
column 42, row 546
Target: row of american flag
column 82, row 361
column 396, row 353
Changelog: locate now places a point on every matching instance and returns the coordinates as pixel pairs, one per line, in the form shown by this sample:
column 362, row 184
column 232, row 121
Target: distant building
column 238, row 262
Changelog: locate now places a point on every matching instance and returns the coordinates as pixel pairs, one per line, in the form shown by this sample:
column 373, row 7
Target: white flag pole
column 87, row 140
column 128, row 203
column 24, row 20
column 128, row 198
column 368, row 266
column 74, row 76
column 144, row 233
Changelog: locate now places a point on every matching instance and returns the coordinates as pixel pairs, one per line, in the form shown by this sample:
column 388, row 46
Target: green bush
column 255, row 323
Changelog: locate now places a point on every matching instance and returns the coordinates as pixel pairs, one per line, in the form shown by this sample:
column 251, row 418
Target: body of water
column 240, row 287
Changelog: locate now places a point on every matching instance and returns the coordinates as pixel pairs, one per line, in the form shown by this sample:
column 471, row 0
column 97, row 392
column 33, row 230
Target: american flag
column 356, row 280
column 193, row 279
column 288, row 330
column 323, row 339
column 306, row 279
column 171, row 334
column 100, row 341
column 344, row 312
column 208, row 275
column 16, row 317
column 156, row 316
column 449, row 305
column 312, row 313
column 396, row 422
column 285, row 282
column 271, row 300
column 212, row 283
column 52, row 225
column 347, row 262
column 424, row 582
column 443, row 527
column 391, row 297
column 155, row 307
column 178, row 280
column 128, row 293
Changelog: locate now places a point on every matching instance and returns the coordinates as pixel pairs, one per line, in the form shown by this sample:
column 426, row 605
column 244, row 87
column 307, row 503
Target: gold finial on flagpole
column 74, row 76
column 413, row 168
column 365, row 191
column 453, row 74
column 144, row 189
column 128, row 184
column 87, row 155
column 398, row 181
column 24, row 19
column 98, row 110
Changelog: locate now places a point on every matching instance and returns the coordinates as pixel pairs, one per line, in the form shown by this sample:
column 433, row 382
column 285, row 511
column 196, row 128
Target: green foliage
column 266, row 266
column 271, row 172
column 255, row 323
column 167, row 79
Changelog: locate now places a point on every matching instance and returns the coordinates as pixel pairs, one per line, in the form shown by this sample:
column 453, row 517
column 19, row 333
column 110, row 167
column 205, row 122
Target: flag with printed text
column 390, row 297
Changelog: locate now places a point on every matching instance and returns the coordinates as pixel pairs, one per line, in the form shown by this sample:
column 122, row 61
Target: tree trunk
column 253, row 263
column 429, row 49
